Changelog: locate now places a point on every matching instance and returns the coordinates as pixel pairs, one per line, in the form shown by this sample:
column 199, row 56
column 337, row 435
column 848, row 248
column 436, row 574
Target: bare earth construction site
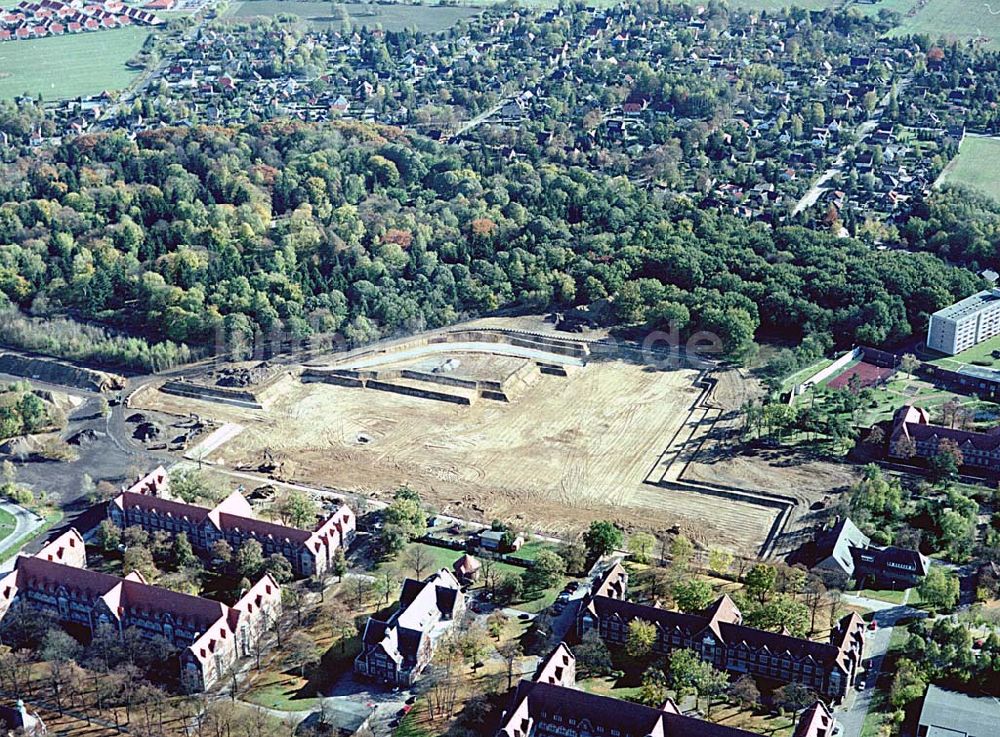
column 538, row 430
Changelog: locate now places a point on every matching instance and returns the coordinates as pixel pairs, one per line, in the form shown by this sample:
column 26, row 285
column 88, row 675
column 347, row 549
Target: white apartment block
column 965, row 323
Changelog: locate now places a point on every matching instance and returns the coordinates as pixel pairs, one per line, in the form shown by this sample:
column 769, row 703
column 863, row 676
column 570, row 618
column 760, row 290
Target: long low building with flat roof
column 966, row 323
column 947, row 713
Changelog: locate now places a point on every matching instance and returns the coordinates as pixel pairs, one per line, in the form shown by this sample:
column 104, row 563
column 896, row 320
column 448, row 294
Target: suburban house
column 310, row 552
column 397, row 651
column 549, row 705
column 41, row 18
column 952, row 714
column 846, row 550
column 913, row 435
column 209, row 635
column 719, row 637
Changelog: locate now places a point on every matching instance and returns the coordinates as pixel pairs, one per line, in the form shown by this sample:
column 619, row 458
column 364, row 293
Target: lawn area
column 607, row 686
column 7, row 524
column 957, row 19
column 51, row 519
column 425, row 18
column 899, row 391
column 438, row 558
column 981, row 352
column 892, row 597
column 282, row 691
column 898, row 6
column 802, row 374
column 977, row 163
column 278, row 687
column 773, row 725
column 69, row 66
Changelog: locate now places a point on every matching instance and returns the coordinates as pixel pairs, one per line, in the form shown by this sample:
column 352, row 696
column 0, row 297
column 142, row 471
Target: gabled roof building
column 914, row 435
column 549, row 705
column 719, row 637
column 208, row 635
column 847, row 550
column 309, row 552
column 397, row 650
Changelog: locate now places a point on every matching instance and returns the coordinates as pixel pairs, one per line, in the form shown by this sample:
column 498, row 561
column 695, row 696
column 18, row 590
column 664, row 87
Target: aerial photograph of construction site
column 535, row 430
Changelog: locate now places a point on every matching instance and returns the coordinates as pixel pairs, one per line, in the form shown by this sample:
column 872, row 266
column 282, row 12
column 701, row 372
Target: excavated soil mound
column 51, row 371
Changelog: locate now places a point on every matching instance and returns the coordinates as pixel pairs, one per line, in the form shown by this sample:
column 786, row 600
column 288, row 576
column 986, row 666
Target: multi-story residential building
column 397, row 651
column 846, row 550
column 208, row 635
column 549, row 705
column 965, row 323
column 719, row 637
column 310, row 552
column 913, row 435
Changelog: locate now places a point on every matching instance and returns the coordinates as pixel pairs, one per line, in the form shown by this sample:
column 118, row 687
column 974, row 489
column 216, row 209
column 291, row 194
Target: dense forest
column 186, row 234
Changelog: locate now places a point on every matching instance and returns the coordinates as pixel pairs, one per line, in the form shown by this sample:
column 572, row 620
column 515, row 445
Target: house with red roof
column 719, row 637
column 913, row 435
column 309, row 552
column 209, row 635
column 549, row 703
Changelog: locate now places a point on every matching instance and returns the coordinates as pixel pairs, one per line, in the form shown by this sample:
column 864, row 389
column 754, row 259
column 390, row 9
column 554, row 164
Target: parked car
column 861, row 684
column 572, row 586
column 873, row 625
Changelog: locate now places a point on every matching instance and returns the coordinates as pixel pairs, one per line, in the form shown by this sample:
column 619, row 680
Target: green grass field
column 960, row 19
column 976, row 166
column 7, row 524
column 981, row 352
column 426, row 18
column 69, row 66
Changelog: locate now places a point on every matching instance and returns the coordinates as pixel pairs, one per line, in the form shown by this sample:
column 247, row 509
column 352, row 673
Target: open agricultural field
column 977, row 164
column 426, row 18
column 567, row 450
column 957, row 19
column 69, row 66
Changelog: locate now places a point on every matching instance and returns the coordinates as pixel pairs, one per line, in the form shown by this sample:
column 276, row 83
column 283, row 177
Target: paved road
column 855, row 707
column 25, row 523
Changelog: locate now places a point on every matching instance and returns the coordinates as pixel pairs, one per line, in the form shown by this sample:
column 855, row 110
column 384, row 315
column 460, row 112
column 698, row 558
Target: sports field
column 977, row 165
column 69, row 66
column 426, row 18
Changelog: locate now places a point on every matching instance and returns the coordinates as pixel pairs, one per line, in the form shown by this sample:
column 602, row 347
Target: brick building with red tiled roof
column 549, row 705
column 208, row 635
column 912, row 431
column 719, row 637
column 309, row 552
